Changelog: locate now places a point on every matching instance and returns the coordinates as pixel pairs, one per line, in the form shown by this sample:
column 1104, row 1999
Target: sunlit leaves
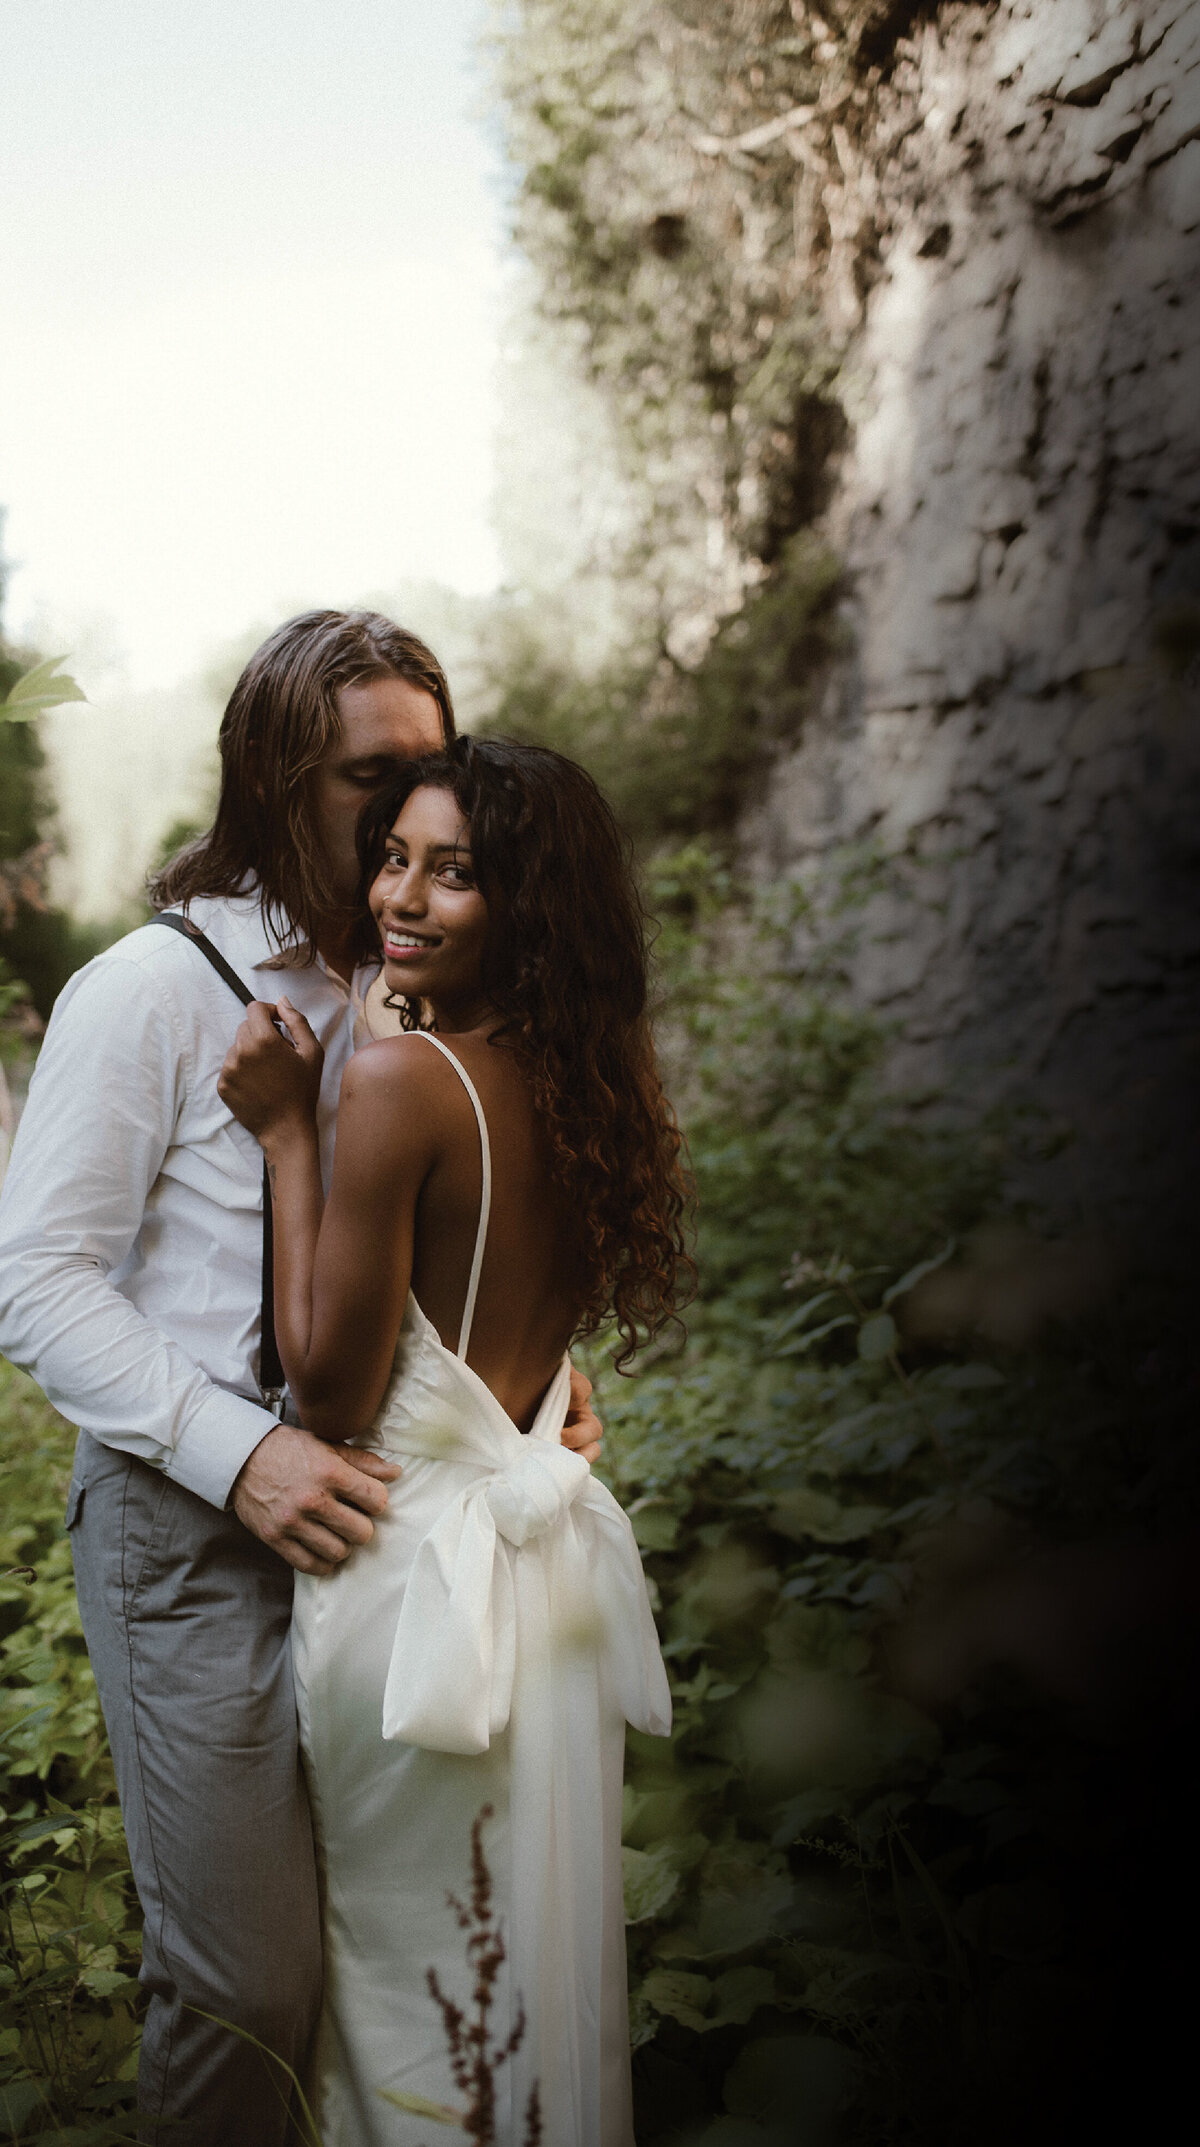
column 44, row 686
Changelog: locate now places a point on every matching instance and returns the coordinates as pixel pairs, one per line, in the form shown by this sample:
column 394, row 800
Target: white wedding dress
column 485, row 1648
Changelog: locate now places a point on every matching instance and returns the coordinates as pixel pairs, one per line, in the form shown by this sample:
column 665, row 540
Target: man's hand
column 310, row 1501
column 582, row 1432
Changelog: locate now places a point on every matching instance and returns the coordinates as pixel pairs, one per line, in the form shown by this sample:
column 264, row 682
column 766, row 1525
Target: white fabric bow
column 539, row 1552
column 535, row 1490
column 532, row 1562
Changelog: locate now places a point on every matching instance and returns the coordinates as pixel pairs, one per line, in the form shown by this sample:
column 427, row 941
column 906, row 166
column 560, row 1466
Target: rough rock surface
column 1013, row 750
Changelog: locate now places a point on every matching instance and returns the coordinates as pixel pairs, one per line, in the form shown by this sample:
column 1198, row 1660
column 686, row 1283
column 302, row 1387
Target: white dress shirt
column 131, row 1214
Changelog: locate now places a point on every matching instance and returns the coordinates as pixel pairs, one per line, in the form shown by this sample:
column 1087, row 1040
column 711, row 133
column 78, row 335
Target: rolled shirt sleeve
column 79, row 1221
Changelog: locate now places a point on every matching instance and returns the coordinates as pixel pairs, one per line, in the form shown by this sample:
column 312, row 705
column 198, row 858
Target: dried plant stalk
column 475, row 2058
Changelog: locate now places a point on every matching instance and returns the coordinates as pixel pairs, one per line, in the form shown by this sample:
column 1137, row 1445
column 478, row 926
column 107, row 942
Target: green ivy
column 71, row 1931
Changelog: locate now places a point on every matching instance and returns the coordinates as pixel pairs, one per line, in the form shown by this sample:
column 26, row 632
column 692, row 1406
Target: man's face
column 382, row 722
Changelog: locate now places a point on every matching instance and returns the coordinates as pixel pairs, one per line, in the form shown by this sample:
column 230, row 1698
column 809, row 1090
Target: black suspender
column 270, row 1370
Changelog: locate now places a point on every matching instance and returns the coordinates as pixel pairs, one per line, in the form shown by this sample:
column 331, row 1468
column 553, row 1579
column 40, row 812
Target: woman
column 501, row 1186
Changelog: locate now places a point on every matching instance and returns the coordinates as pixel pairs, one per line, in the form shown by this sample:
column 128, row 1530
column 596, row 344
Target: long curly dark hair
column 565, row 968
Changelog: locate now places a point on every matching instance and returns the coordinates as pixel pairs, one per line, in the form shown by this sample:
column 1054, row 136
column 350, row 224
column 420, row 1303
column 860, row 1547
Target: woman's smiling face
column 432, row 919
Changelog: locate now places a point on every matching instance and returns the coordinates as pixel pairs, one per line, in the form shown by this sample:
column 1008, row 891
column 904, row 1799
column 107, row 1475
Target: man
column 130, row 1275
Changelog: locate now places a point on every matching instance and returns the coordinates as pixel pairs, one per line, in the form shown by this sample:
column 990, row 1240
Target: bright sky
column 250, row 255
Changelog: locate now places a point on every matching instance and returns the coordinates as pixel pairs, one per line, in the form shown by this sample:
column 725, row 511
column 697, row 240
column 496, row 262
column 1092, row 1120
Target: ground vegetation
column 913, row 1661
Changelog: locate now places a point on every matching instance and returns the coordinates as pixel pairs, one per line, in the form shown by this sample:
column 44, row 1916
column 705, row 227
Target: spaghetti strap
column 485, row 1199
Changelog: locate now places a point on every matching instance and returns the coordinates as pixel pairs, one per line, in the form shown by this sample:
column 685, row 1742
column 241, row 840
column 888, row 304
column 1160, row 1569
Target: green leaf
column 25, row 1722
column 773, row 2079
column 681, row 1996
column 961, row 1378
column 805, row 1342
column 877, row 1338
column 655, row 1524
column 38, row 689
column 801, row 1814
column 649, row 1815
column 420, row 2106
column 730, row 1921
column 916, row 1274
column 643, row 2020
column 800, row 1316
column 35, row 1830
column 804, row 1515
column 651, row 1882
column 19, row 2099
column 739, row 1993
column 105, row 1982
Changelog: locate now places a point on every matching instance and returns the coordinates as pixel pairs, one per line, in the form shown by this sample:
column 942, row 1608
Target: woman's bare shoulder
column 398, row 1062
column 398, row 1059
column 398, row 1107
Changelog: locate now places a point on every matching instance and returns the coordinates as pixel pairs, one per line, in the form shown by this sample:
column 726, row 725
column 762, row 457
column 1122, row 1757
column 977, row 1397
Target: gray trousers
column 187, row 1623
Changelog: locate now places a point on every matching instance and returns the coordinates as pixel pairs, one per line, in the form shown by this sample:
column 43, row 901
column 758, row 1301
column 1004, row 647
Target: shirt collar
column 238, row 929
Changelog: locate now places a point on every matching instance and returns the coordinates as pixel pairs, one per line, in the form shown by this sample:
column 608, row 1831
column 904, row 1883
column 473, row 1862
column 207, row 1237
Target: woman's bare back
column 530, row 1287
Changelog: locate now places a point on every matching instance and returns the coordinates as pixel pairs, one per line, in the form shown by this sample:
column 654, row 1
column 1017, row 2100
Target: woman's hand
column 271, row 1082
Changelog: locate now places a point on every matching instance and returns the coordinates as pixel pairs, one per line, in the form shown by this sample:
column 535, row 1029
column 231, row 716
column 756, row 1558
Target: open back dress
column 486, row 1648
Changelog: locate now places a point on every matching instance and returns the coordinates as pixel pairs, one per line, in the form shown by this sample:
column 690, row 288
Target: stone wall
column 1012, row 749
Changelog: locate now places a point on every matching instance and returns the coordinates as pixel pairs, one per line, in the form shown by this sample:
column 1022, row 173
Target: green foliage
column 41, row 945
column 861, row 1907
column 796, row 1148
column 685, row 267
column 688, row 198
column 672, row 748
column 176, row 838
column 68, row 2033
column 850, row 1914
column 25, row 804
column 694, row 193
column 14, row 1006
column 46, row 946
column 38, row 689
